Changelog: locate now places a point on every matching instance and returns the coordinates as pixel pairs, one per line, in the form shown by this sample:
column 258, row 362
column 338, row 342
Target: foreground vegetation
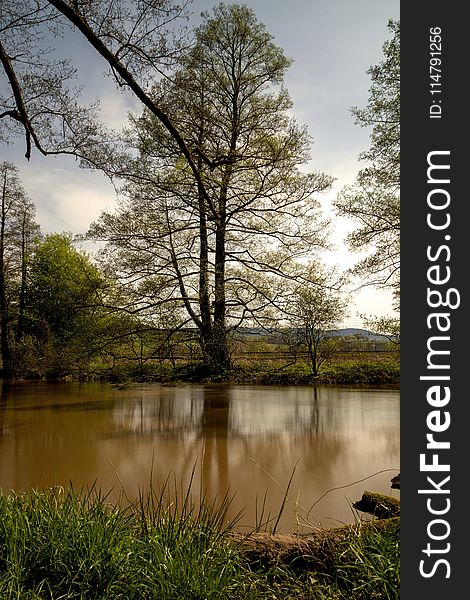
column 69, row 545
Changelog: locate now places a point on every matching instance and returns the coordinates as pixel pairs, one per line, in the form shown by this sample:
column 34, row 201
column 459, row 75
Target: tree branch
column 80, row 23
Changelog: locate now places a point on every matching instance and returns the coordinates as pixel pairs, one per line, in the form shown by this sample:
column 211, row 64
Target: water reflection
column 212, row 410
column 242, row 439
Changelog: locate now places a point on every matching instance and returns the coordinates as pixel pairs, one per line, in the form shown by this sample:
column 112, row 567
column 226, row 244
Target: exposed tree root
column 313, row 551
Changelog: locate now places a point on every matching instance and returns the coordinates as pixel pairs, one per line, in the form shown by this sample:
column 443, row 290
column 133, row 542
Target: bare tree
column 17, row 231
column 38, row 99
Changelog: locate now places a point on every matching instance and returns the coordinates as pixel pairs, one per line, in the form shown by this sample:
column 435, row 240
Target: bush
column 358, row 372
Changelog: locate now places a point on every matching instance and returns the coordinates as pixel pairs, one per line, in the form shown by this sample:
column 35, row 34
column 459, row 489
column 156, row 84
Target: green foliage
column 63, row 287
column 351, row 372
column 127, row 371
column 298, row 373
column 383, row 115
column 374, row 201
column 386, row 326
column 361, row 372
column 62, row 310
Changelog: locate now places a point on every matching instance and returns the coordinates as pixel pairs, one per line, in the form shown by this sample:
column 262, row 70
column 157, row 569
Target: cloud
column 67, row 198
column 115, row 107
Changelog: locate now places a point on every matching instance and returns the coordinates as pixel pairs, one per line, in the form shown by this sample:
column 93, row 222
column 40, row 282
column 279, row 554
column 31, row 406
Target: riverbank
column 380, row 372
column 376, row 368
column 64, row 544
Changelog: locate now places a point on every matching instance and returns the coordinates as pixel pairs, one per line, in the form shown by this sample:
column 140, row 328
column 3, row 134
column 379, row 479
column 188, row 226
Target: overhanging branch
column 80, row 23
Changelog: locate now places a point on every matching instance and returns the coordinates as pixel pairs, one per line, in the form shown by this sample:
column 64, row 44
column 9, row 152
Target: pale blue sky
column 332, row 43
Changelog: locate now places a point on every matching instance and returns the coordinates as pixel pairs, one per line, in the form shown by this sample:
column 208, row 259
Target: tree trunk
column 4, row 321
column 22, row 298
column 217, row 347
column 215, row 351
column 213, row 331
column 204, row 297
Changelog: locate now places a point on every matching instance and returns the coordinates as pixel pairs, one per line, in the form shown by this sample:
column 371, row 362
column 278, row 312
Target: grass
column 366, row 561
column 275, row 373
column 62, row 544
column 383, row 372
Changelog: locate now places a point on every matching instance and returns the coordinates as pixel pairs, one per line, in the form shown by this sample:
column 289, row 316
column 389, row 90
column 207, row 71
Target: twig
column 340, row 487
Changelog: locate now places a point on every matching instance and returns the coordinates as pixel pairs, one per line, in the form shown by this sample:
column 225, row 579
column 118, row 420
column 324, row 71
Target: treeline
column 63, row 314
column 218, row 222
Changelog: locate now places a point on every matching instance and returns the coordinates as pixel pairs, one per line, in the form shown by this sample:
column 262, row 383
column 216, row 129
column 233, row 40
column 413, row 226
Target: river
column 333, row 442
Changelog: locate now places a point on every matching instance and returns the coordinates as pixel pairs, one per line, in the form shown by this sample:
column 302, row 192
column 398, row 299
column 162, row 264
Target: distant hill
column 275, row 336
column 356, row 332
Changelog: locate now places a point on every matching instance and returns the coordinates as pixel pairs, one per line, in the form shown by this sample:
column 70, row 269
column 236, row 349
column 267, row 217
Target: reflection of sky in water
column 274, row 412
column 246, row 419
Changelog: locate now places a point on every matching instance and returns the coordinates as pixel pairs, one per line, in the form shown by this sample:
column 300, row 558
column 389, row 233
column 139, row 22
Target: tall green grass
column 365, row 563
column 62, row 544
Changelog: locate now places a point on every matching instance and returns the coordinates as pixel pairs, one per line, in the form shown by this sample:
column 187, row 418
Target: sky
column 332, row 44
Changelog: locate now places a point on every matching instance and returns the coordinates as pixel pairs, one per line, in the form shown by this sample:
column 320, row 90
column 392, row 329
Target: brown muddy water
column 246, row 441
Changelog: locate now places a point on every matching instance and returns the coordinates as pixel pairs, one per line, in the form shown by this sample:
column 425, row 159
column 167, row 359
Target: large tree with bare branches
column 221, row 245
column 217, row 205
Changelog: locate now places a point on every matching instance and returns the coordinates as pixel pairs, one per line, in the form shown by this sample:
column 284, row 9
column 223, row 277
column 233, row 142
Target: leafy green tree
column 389, row 327
column 374, row 201
column 64, row 302
column 216, row 233
column 313, row 312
